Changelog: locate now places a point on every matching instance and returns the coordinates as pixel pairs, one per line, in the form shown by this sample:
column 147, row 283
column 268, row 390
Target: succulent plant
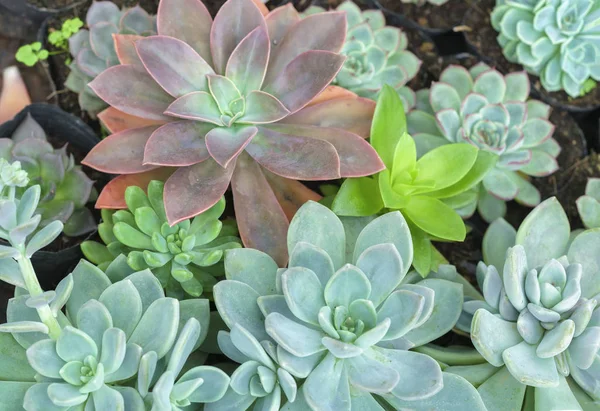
column 93, row 50
column 588, row 205
column 557, row 40
column 418, row 188
column 179, row 256
column 239, row 105
column 342, row 317
column 66, row 189
column 376, row 54
column 538, row 316
column 492, row 112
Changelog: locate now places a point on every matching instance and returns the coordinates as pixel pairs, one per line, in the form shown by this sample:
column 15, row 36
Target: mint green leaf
column 405, row 158
column 435, row 218
column 389, row 124
column 358, row 197
column 422, row 247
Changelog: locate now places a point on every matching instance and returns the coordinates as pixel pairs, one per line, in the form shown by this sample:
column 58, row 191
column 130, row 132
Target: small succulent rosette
column 335, row 330
column 557, row 40
column 538, row 314
column 94, row 51
column 117, row 329
column 588, row 205
column 376, row 54
column 184, row 257
column 491, row 111
column 65, row 188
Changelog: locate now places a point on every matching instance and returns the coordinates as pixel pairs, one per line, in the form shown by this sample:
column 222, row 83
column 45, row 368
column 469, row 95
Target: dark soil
column 482, row 37
column 444, row 17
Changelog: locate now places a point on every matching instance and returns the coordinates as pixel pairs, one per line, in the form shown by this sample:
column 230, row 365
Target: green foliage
column 30, row 54
column 417, row 188
column 59, row 38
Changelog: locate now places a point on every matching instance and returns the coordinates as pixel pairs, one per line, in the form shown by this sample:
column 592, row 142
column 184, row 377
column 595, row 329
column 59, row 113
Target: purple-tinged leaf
column 279, row 22
column 78, row 41
column 322, row 31
column 357, row 157
column 247, row 65
column 89, row 63
column 261, row 220
column 304, row 78
column 200, row 106
column 188, row 21
column 234, row 21
column 137, row 20
column 174, row 65
column 225, row 143
column 291, row 194
column 125, row 48
column 180, row 144
column 295, row 157
column 132, row 90
column 121, row 153
column 113, row 194
column 100, row 34
column 101, row 11
column 263, row 108
column 114, row 120
column 351, row 114
column 194, row 189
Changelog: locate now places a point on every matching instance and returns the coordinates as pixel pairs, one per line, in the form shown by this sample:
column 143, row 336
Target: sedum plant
column 65, row 188
column 116, row 332
column 239, row 105
column 492, row 112
column 556, row 40
column 588, row 205
column 334, row 330
column 179, row 255
column 94, row 49
column 421, row 189
column 538, row 318
column 376, row 54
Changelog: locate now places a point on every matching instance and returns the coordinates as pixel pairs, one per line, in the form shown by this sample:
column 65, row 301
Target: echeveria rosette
column 340, row 319
column 418, row 188
column 539, row 316
column 588, row 205
column 376, row 54
column 238, row 102
column 557, row 40
column 65, row 188
column 111, row 333
column 184, row 257
column 491, row 111
column 94, row 50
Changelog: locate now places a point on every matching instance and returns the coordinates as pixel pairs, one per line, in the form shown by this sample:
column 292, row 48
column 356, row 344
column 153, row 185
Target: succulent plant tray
column 307, row 205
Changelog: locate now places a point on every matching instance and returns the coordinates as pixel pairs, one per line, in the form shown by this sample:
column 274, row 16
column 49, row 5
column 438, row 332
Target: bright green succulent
column 492, row 112
column 588, row 205
column 424, row 189
column 65, row 189
column 557, row 40
column 94, row 49
column 376, row 54
column 341, row 320
column 183, row 256
column 538, row 314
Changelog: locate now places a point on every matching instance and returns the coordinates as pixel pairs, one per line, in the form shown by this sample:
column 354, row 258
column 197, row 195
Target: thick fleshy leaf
column 304, row 78
column 404, row 309
column 294, row 337
column 384, row 268
column 435, row 218
column 296, row 157
column 327, row 386
column 371, row 375
column 303, row 292
column 113, row 194
column 157, row 329
column 234, row 21
column 262, row 108
column 174, row 65
column 492, row 336
column 132, row 90
column 125, row 48
column 523, row 363
column 114, row 120
column 498, row 238
column 194, row 189
column 252, row 267
column 121, row 153
column 198, row 105
column 225, row 143
column 180, row 143
column 582, row 251
column 347, row 285
column 247, row 64
column 43, row 358
column 261, row 221
column 291, row 194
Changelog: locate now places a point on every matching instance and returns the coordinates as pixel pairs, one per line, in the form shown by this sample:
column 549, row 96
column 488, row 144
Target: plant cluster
column 557, row 40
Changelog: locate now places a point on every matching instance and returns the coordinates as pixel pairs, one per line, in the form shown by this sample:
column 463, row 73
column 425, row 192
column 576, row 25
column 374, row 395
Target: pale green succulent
column 376, row 54
column 12, row 175
column 341, row 319
column 538, row 317
column 491, row 111
column 588, row 205
column 557, row 40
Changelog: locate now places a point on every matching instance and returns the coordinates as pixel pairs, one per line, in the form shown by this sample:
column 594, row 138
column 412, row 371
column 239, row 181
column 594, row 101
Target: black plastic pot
column 51, row 267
